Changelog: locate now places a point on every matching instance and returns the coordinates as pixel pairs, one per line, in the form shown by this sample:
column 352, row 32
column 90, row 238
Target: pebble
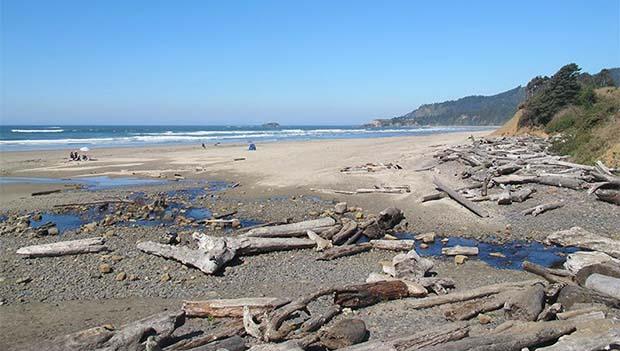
column 484, row 319
column 423, row 246
column 105, row 268
column 133, row 277
column 359, row 215
column 121, row 276
column 340, row 208
column 497, row 254
column 164, row 277
column 116, row 258
column 426, row 237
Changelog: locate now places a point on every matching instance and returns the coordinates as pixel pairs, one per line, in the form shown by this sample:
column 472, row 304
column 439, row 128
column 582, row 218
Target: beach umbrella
column 84, row 149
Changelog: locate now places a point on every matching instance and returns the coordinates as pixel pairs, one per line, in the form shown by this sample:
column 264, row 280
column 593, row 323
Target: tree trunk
column 362, row 295
column 293, row 229
column 231, row 307
column 460, row 199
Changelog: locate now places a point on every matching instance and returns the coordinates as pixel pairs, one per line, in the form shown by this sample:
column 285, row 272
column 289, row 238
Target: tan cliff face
column 511, row 128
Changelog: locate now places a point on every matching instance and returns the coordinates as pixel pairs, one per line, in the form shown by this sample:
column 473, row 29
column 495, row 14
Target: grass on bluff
column 591, row 129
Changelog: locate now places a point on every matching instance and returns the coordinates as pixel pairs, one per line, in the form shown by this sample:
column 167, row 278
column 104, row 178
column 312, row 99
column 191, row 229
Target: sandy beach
column 281, row 181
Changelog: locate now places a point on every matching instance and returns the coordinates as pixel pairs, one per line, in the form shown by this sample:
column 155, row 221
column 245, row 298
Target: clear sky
column 296, row 62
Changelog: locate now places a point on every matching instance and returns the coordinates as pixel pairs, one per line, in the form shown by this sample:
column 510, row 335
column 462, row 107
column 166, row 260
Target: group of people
column 75, row 156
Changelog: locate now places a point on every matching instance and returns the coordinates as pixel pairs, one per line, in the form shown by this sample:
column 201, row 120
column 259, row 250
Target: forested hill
column 470, row 110
column 483, row 110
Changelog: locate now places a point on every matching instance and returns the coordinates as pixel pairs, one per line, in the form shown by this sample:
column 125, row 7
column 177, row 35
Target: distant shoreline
column 30, row 138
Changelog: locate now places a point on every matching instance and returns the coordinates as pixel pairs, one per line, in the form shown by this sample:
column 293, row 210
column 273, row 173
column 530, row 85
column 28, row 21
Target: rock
column 169, row 238
column 344, row 333
column 423, row 246
column 108, row 234
column 497, row 254
column 165, row 277
column 235, row 223
column 90, row 227
column 426, row 237
column 460, row 259
column 37, row 217
column 52, row 231
column 313, row 214
column 390, row 217
column 133, row 277
column 121, row 276
column 484, row 319
column 359, row 215
column 167, row 217
column 340, row 208
column 116, row 258
column 105, row 268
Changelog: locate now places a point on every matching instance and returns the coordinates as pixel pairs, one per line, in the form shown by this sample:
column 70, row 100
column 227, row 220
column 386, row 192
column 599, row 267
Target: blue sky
column 296, row 62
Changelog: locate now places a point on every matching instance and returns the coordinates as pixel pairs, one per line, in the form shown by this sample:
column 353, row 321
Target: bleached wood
column 293, row 229
column 61, row 248
column 231, row 307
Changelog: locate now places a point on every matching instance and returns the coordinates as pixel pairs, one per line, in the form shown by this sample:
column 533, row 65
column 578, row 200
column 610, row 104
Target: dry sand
column 275, row 168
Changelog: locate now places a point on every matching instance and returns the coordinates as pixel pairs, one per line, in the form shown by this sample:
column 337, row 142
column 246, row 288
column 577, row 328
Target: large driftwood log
column 459, row 198
column 233, row 343
column 579, row 237
column 231, row 307
column 604, row 284
column 207, row 261
column 293, row 229
column 608, row 268
column 574, row 294
column 515, row 337
column 467, row 294
column 415, row 341
column 611, row 196
column 592, row 337
column 581, row 259
column 547, row 273
column 362, row 295
column 562, row 182
column 61, row 248
column 128, row 337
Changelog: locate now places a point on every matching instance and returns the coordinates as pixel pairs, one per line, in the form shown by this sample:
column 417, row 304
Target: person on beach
column 204, row 146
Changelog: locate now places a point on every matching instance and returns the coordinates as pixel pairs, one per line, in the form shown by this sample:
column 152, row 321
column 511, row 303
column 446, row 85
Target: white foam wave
column 37, row 130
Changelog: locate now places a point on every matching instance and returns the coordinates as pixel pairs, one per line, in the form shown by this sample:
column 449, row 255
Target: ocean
column 14, row 138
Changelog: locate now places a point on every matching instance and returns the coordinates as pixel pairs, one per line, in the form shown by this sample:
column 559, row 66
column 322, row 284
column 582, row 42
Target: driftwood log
column 61, row 248
column 293, row 229
column 459, row 198
column 231, row 307
column 581, row 238
column 362, row 295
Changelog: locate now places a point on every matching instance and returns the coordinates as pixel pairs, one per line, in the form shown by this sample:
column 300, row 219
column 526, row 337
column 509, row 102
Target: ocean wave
column 291, row 132
column 37, row 130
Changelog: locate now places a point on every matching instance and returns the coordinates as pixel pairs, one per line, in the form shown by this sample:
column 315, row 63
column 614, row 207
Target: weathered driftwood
column 231, row 307
column 345, row 250
column 536, row 210
column 316, row 322
column 611, row 196
column 521, row 194
column 425, row 338
column 415, row 289
column 234, row 328
column 393, row 245
column 547, row 273
column 515, row 337
column 61, row 248
column 329, row 233
column 562, row 182
column 128, row 337
column 460, row 250
column 581, row 259
column 604, row 284
column 348, row 230
column 579, row 237
column 526, row 304
column 362, row 295
column 344, row 333
column 207, row 261
column 290, row 345
column 592, row 337
column 232, row 343
column 472, row 308
column 574, row 294
column 293, row 229
column 459, row 198
column 608, row 268
column 467, row 295
column 213, row 252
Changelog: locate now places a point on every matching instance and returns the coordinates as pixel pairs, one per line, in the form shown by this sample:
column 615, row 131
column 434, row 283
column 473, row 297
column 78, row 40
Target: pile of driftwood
column 336, row 237
column 510, row 163
column 381, row 189
column 370, row 167
column 565, row 311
